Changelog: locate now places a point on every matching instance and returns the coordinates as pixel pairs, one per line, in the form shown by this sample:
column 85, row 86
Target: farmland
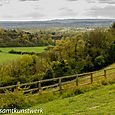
column 24, row 49
column 6, row 57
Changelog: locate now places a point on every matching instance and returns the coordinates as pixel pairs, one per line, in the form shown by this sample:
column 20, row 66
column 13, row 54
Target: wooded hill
column 19, row 38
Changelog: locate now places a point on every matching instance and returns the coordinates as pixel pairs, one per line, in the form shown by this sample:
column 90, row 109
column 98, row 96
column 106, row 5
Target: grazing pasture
column 24, row 49
column 6, row 57
column 99, row 101
column 95, row 102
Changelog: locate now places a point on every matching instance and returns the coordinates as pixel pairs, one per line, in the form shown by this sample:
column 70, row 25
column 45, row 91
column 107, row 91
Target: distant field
column 24, row 49
column 6, row 57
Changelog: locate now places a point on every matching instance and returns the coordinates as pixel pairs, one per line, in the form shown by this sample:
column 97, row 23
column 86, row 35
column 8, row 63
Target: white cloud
column 28, row 0
column 52, row 9
column 106, row 12
column 107, row 1
column 72, row 0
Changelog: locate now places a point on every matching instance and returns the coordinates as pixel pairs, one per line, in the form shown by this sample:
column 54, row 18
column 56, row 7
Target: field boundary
column 57, row 83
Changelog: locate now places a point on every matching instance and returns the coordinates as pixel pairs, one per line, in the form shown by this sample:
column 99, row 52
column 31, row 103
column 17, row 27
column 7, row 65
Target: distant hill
column 58, row 23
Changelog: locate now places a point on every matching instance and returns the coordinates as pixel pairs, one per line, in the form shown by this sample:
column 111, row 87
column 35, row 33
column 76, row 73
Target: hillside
column 19, row 38
column 99, row 101
column 94, row 102
column 58, row 23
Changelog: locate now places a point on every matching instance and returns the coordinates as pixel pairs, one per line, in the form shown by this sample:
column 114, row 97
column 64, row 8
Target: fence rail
column 78, row 79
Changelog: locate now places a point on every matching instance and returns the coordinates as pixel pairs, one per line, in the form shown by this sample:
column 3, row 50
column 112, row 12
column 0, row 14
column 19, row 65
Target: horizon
column 57, row 19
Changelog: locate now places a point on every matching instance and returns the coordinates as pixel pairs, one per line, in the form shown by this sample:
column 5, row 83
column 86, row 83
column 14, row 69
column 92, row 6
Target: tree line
column 20, row 38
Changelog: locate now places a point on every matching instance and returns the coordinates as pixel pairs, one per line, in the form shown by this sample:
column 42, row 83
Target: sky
column 34, row 10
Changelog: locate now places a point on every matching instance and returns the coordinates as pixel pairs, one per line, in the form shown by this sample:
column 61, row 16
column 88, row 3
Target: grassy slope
column 101, row 101
column 94, row 102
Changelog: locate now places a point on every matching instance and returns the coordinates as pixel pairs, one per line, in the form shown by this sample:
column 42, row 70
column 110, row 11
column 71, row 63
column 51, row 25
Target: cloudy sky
column 56, row 9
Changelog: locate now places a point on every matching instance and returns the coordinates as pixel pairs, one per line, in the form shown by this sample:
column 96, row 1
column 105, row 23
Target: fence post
column 105, row 74
column 91, row 78
column 77, row 80
column 39, row 85
column 60, row 86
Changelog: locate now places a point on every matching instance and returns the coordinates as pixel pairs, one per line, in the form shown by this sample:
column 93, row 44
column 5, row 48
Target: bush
column 15, row 52
column 20, row 52
column 73, row 92
column 7, row 80
column 68, row 93
column 19, row 100
column 79, row 90
column 99, row 62
column 113, row 25
column 16, row 99
column 104, row 82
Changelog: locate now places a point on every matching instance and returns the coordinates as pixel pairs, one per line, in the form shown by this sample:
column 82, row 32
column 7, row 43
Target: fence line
column 86, row 78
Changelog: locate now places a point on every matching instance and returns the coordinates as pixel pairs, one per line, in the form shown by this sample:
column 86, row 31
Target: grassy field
column 95, row 102
column 99, row 102
column 6, row 57
column 24, row 49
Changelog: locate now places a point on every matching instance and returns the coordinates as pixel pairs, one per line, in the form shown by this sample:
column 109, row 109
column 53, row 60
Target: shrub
column 113, row 25
column 15, row 52
column 16, row 99
column 79, row 90
column 73, row 92
column 99, row 62
column 104, row 82
column 7, row 80
column 68, row 93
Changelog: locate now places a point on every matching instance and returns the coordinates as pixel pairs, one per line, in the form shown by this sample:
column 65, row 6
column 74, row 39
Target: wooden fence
column 58, row 84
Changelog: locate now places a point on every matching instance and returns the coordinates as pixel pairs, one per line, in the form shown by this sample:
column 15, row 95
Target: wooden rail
column 58, row 83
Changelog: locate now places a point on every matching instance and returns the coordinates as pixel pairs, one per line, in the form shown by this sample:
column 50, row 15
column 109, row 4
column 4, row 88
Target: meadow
column 6, row 57
column 99, row 101
column 24, row 49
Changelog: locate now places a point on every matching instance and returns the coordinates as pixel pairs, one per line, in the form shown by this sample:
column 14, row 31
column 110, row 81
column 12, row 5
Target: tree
column 111, row 53
column 113, row 25
column 99, row 62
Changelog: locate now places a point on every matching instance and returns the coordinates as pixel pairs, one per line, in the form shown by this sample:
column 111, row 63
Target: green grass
column 6, row 57
column 95, row 102
column 24, row 49
column 99, row 102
